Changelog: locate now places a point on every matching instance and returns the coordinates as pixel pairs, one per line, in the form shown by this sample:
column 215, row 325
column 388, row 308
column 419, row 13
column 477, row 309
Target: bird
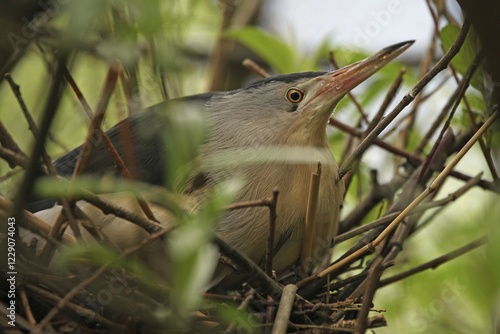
column 284, row 116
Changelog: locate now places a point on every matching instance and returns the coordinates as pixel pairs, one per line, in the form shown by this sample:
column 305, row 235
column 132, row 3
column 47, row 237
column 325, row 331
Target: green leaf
column 184, row 127
column 194, row 257
column 276, row 53
column 463, row 60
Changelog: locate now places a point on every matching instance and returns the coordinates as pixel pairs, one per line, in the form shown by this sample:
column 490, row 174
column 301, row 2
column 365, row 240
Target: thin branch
column 372, row 281
column 255, row 68
column 438, row 67
column 48, row 114
column 310, row 228
column 243, row 306
column 284, row 309
column 83, row 284
column 389, row 97
column 257, row 275
column 26, row 306
column 434, row 263
column 97, row 118
column 268, row 267
column 464, row 84
column 77, row 308
column 436, row 183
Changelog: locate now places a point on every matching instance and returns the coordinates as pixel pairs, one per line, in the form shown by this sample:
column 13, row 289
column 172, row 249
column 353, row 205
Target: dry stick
column 8, row 142
column 425, row 206
column 268, row 267
column 284, row 309
column 80, row 286
column 484, row 149
column 26, row 306
column 435, row 184
column 107, row 143
column 77, row 308
column 434, row 263
column 255, row 68
column 97, row 118
column 438, row 67
column 243, row 306
column 389, row 97
column 109, row 208
column 349, row 94
column 257, row 275
column 248, row 204
column 45, row 157
column 391, row 93
column 412, row 115
column 31, row 124
column 78, row 93
column 14, row 158
column 20, row 322
column 433, row 128
column 86, row 151
column 47, row 116
column 460, row 92
column 33, row 223
column 372, row 281
column 408, row 155
column 310, row 229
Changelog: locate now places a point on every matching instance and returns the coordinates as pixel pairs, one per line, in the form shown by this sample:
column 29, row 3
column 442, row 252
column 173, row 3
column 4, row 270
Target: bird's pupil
column 295, row 96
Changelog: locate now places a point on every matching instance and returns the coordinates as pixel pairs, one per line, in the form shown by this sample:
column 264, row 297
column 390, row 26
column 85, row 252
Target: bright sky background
column 367, row 24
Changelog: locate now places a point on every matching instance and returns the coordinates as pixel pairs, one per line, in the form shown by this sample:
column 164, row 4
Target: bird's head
column 293, row 109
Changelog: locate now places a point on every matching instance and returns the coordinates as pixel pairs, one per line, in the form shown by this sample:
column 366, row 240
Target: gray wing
column 145, row 131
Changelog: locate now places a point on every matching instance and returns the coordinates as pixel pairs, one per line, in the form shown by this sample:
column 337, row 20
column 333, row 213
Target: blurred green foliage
column 155, row 40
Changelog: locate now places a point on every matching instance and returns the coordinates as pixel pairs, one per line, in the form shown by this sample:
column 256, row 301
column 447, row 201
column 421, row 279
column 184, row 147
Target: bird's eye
column 294, row 95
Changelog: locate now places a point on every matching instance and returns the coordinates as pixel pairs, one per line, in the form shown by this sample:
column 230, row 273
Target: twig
column 351, row 233
column 45, row 157
column 255, row 68
column 48, row 114
column 77, row 308
column 310, row 229
column 243, row 306
column 372, row 280
column 409, row 97
column 80, row 286
column 284, row 309
column 92, row 133
column 78, row 93
column 14, row 158
column 248, row 204
column 20, row 321
column 109, row 208
column 257, row 275
column 26, row 306
column 8, row 142
column 389, row 97
column 411, row 157
column 33, row 223
column 84, row 157
column 436, row 183
column 268, row 267
column 412, row 115
column 122, row 167
column 460, row 92
column 434, row 263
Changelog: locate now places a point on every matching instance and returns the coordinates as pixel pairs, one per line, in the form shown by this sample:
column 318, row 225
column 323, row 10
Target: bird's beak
column 340, row 82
